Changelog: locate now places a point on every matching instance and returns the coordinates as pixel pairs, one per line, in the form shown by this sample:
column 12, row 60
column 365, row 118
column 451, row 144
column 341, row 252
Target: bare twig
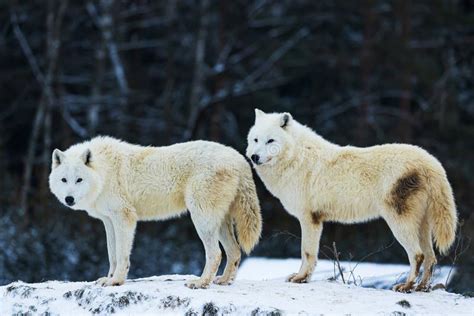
column 373, row 253
column 336, row 257
column 285, row 233
column 239, row 89
column 460, row 248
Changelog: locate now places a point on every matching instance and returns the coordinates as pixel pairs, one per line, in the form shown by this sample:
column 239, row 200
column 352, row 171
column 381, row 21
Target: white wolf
column 121, row 183
column 319, row 181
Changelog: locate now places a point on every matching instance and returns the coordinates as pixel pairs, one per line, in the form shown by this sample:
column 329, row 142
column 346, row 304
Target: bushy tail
column 246, row 213
column 444, row 218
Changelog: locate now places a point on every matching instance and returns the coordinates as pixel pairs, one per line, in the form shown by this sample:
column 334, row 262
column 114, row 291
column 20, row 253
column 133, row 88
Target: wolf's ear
column 285, row 120
column 258, row 113
column 58, row 157
column 86, row 156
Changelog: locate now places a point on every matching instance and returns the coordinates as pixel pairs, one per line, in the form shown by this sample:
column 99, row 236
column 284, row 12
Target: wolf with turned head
column 120, row 184
column 318, row 181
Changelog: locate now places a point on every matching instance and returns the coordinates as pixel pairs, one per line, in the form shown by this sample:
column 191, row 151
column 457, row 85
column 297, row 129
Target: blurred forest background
column 159, row 72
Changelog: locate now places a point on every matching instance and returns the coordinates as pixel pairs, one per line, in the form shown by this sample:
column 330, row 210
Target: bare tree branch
column 277, row 55
column 104, row 23
column 26, row 49
column 75, row 126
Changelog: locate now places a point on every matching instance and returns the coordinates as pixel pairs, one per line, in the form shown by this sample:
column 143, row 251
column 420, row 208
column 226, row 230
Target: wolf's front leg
column 124, row 224
column 310, row 235
column 110, row 234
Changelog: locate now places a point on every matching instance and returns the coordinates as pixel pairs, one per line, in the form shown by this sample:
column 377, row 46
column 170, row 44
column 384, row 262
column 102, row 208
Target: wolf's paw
column 422, row 288
column 113, row 282
column 197, row 284
column 403, row 287
column 101, row 281
column 221, row 280
column 298, row 278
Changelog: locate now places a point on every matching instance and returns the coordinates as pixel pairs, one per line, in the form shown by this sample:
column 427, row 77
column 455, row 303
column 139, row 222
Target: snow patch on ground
column 259, row 290
column 374, row 275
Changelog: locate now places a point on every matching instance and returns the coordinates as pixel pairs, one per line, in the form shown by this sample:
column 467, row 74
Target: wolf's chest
column 290, row 192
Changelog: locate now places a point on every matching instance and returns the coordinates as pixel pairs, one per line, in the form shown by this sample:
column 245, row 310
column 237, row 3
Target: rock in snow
column 247, row 296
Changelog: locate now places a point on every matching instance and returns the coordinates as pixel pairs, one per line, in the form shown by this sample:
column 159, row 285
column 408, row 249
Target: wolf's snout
column 69, row 200
column 255, row 158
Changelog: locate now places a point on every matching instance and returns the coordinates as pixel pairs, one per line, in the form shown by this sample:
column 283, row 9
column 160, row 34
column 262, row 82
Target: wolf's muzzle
column 255, row 159
column 69, row 200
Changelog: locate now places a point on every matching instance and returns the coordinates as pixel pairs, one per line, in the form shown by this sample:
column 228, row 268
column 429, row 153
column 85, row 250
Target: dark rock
column 210, row 309
column 404, row 303
column 174, row 302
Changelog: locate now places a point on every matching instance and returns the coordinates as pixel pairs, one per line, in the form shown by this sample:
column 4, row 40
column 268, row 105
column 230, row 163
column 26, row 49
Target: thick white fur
column 319, row 181
column 123, row 183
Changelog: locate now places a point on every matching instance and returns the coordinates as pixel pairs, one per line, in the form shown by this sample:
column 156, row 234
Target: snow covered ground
column 259, row 290
column 373, row 275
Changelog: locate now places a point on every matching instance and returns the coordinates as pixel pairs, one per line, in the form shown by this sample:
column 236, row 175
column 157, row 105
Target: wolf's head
column 269, row 139
column 73, row 180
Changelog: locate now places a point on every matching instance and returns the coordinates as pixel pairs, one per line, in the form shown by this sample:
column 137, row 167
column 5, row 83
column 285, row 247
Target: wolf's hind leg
column 232, row 251
column 208, row 231
column 426, row 243
column 311, row 229
column 406, row 232
column 110, row 235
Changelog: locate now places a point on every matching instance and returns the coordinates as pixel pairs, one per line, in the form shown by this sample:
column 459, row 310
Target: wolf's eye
column 64, row 180
column 255, row 140
column 271, row 140
column 79, row 180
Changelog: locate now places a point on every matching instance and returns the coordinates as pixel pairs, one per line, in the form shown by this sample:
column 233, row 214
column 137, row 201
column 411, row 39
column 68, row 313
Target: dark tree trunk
column 366, row 60
column 404, row 127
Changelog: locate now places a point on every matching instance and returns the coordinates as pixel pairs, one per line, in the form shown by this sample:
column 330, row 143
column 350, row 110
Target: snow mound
column 251, row 296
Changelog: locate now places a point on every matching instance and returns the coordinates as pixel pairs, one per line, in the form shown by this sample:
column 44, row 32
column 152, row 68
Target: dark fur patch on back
column 317, row 218
column 406, row 186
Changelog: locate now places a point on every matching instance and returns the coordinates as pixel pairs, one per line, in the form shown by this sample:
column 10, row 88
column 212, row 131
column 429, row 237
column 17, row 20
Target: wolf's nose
column 69, row 200
column 255, row 158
